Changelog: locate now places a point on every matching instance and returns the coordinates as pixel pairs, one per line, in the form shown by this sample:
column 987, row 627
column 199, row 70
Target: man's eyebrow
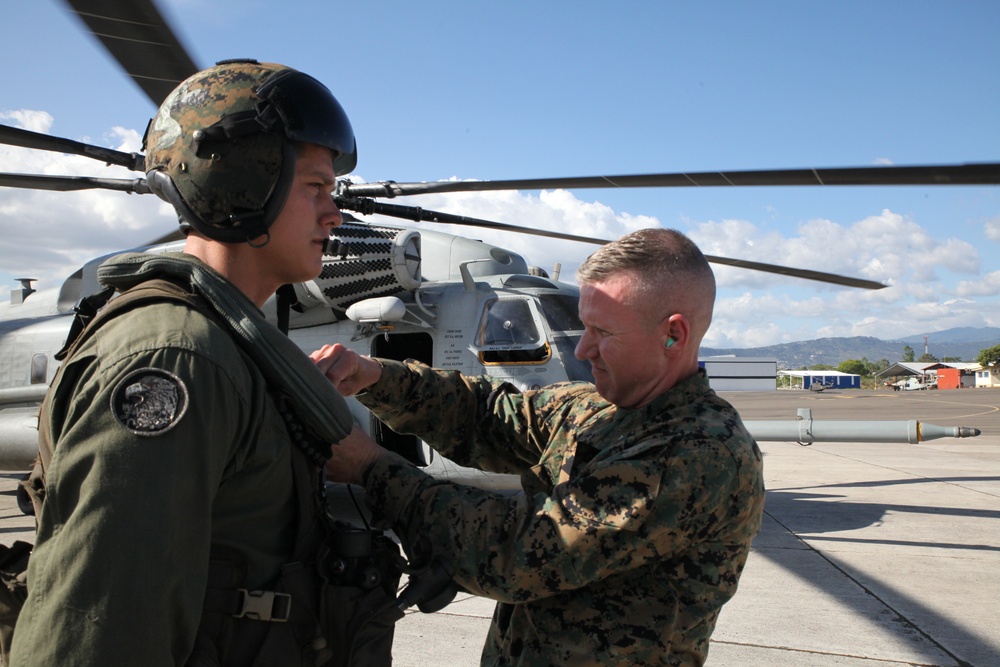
column 322, row 175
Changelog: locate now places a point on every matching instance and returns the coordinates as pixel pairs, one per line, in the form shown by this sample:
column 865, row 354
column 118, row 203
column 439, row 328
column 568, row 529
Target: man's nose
column 334, row 217
column 582, row 350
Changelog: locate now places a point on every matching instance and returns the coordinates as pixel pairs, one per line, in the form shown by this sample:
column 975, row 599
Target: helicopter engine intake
column 369, row 261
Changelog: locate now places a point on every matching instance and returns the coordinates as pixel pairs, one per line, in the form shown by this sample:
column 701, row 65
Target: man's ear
column 677, row 329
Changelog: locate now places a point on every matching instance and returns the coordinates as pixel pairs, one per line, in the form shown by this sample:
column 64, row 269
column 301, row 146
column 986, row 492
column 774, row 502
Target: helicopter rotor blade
column 418, row 214
column 14, row 136
column 807, row 274
column 73, row 183
column 962, row 174
column 175, row 235
column 138, row 37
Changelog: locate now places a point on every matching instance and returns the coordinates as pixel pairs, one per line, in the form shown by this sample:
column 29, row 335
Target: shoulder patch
column 149, row 401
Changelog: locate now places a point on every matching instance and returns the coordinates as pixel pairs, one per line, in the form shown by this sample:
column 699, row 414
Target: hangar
column 956, row 374
column 906, row 369
column 818, row 380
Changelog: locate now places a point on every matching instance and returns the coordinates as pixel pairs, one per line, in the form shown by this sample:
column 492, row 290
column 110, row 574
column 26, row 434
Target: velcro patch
column 149, row 401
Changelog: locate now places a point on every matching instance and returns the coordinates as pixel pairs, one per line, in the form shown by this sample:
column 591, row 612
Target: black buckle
column 265, row 606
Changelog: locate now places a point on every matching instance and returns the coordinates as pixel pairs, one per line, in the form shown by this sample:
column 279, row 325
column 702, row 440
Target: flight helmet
column 221, row 149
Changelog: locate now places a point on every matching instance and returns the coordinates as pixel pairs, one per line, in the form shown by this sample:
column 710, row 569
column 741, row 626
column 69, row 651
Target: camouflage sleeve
column 453, row 413
column 621, row 516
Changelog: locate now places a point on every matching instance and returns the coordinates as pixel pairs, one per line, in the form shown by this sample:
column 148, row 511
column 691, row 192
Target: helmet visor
column 311, row 114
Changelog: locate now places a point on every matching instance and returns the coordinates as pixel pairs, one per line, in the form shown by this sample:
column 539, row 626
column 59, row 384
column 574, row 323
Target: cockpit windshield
column 508, row 322
column 508, row 334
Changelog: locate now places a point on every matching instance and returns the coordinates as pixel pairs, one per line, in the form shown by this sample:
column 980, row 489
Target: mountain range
column 962, row 342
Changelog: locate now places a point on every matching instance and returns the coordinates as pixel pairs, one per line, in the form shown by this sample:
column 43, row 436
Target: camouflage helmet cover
column 221, row 148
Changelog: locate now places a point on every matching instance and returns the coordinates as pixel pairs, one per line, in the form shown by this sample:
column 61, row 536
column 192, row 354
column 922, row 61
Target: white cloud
column 47, row 235
column 988, row 285
column 888, row 247
column 992, row 229
column 26, row 119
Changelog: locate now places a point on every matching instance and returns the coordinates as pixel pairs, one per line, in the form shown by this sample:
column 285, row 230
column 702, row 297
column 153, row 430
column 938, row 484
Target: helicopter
column 390, row 290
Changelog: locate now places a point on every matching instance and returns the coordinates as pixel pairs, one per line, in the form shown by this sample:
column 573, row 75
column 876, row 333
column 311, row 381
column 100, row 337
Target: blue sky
column 494, row 90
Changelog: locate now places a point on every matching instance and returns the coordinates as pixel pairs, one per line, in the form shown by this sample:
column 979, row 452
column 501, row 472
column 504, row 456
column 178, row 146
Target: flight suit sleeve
column 118, row 575
column 516, row 548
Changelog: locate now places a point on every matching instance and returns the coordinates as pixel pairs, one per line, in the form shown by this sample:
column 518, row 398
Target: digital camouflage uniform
column 631, row 534
column 137, row 497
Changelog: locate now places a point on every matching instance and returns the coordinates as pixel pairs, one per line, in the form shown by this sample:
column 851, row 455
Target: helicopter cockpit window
column 39, row 369
column 561, row 311
column 509, row 334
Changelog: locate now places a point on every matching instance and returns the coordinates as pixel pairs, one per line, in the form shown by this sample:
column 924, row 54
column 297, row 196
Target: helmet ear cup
column 234, row 177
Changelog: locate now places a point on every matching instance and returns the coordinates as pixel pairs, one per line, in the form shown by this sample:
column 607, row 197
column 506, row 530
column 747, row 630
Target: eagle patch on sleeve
column 149, row 401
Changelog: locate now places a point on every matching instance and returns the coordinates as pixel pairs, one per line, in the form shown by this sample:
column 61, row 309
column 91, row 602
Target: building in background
column 956, row 376
column 730, row 373
column 987, row 377
column 818, row 380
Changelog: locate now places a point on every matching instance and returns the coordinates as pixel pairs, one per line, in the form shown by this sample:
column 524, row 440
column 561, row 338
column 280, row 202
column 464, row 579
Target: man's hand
column 351, row 457
column 348, row 371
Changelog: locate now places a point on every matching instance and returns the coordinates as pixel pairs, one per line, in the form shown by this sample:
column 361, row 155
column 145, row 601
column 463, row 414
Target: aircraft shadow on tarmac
column 907, row 480
column 795, row 519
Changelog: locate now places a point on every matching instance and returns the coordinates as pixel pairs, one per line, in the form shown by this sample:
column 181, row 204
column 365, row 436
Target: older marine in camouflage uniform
column 642, row 491
column 632, row 531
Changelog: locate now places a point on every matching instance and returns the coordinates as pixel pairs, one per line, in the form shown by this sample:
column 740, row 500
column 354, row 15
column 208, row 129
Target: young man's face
column 623, row 345
column 295, row 251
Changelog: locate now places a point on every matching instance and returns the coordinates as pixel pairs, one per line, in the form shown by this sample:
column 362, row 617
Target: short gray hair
column 661, row 260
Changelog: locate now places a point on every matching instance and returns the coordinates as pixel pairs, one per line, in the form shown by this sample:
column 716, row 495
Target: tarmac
column 870, row 555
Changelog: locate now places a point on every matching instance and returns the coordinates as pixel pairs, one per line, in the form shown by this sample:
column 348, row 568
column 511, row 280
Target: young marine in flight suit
column 171, row 484
column 642, row 492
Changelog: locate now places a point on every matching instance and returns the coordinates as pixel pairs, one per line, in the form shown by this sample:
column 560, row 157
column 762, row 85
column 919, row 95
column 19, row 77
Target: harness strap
column 86, row 309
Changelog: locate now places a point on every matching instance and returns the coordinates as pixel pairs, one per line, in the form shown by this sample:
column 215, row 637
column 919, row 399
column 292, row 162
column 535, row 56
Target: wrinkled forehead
column 609, row 298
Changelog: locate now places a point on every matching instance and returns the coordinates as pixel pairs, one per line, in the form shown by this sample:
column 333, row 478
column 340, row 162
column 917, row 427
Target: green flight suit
column 632, row 531
column 137, row 496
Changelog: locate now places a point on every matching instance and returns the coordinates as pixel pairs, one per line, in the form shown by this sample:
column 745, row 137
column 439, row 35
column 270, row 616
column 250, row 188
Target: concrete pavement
column 871, row 555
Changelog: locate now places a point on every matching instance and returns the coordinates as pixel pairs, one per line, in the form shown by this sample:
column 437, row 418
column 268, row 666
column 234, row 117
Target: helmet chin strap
column 267, row 239
column 251, row 226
